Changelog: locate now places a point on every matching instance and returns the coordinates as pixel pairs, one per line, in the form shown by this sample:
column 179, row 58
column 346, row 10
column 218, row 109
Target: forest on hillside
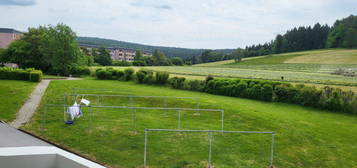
column 342, row 34
column 184, row 53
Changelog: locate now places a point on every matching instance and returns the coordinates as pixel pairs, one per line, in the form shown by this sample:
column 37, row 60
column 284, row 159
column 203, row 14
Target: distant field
column 13, row 95
column 317, row 67
column 305, row 137
column 328, row 57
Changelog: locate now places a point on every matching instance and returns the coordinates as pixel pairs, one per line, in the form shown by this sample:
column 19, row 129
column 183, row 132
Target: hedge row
column 20, row 74
column 142, row 76
column 328, row 98
column 72, row 70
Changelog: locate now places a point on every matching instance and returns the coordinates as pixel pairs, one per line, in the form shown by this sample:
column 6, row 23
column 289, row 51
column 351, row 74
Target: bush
column 240, row 88
column 307, row 96
column 140, row 76
column 35, row 76
column 161, row 77
column 20, row 74
column 79, row 70
column 121, row 63
column 194, row 85
column 267, row 92
column 101, row 74
column 149, row 78
column 120, row 75
column 177, row 82
column 128, row 74
column 285, row 93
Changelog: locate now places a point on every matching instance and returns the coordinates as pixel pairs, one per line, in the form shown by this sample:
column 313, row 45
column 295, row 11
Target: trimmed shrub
column 307, row 96
column 177, row 82
column 101, row 74
column 149, row 78
column 79, row 70
column 128, row 74
column 161, row 77
column 140, row 76
column 20, row 74
column 119, row 75
column 267, row 92
column 194, row 85
column 285, row 93
column 35, row 76
column 240, row 88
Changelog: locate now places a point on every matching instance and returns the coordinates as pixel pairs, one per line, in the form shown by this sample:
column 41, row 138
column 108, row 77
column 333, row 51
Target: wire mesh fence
column 133, row 100
column 208, row 148
column 118, row 128
column 173, row 118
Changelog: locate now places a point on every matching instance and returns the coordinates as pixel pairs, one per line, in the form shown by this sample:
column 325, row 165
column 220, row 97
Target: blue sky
column 179, row 23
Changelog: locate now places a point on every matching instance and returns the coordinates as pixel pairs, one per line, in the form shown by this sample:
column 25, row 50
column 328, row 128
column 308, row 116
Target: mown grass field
column 311, row 67
column 13, row 95
column 305, row 137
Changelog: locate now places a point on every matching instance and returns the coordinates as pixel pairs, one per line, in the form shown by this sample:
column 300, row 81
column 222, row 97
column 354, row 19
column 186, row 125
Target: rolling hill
column 169, row 51
column 321, row 57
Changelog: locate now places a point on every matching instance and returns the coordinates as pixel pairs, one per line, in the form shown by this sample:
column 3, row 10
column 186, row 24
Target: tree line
column 101, row 56
column 52, row 49
column 343, row 34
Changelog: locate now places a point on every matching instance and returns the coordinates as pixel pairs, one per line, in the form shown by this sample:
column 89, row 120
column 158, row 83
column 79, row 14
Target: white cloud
column 181, row 23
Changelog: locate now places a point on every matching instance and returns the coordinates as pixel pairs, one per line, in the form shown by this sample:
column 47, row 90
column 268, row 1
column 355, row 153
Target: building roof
column 16, row 144
column 8, row 30
column 11, row 137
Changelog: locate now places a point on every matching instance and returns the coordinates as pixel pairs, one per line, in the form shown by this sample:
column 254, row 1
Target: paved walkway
column 28, row 109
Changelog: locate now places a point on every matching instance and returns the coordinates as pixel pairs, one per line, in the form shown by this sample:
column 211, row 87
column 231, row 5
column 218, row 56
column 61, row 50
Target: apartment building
column 119, row 54
column 7, row 36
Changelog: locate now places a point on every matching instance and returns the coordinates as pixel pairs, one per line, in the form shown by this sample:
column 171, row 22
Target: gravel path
column 28, row 109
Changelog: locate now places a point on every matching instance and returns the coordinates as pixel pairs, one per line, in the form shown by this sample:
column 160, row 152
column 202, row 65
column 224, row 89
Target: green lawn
column 13, row 95
column 305, row 137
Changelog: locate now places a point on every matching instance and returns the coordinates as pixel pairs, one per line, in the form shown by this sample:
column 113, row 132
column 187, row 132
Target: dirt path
column 29, row 108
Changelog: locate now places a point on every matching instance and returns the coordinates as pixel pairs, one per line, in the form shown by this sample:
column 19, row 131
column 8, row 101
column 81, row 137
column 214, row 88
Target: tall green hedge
column 20, row 74
column 327, row 98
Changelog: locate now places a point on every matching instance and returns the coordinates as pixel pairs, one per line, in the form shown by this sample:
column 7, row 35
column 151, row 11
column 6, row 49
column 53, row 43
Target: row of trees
column 343, row 34
column 158, row 58
column 52, row 49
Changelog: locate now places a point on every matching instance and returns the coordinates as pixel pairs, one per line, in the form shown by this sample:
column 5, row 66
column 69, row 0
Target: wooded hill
column 168, row 51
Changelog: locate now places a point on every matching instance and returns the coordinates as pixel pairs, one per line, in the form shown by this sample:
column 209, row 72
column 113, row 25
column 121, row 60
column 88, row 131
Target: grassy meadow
column 305, row 137
column 13, row 95
column 311, row 67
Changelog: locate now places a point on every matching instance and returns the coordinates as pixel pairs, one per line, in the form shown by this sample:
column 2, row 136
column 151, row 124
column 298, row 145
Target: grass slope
column 13, row 95
column 305, row 137
column 327, row 56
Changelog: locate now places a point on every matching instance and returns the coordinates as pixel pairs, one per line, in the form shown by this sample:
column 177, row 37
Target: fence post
column 145, row 146
column 179, row 119
column 134, row 120
column 210, row 149
column 222, row 120
column 272, row 149
column 64, row 107
column 198, row 103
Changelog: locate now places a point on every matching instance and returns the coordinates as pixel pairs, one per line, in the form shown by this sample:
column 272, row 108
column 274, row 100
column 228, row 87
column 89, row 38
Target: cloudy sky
column 179, row 23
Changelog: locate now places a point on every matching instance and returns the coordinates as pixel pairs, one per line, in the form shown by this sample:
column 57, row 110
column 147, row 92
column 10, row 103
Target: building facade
column 7, row 36
column 119, row 54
